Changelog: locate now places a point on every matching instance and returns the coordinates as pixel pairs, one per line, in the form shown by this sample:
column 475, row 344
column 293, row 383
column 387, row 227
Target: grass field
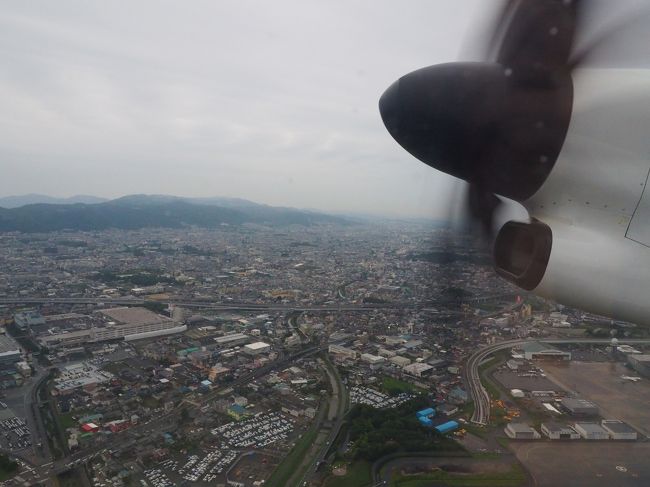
column 291, row 463
column 358, row 475
column 393, row 386
column 8, row 468
column 492, row 390
column 504, row 442
column 513, row 478
column 66, row 420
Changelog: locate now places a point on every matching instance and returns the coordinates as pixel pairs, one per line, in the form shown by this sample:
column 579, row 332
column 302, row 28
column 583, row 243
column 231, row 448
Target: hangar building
column 591, row 431
column 538, row 350
column 521, row 431
column 579, row 407
column 556, row 431
column 618, row 430
column 640, row 363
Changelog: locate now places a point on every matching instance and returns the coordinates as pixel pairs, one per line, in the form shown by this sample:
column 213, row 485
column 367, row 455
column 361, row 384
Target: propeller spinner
column 498, row 125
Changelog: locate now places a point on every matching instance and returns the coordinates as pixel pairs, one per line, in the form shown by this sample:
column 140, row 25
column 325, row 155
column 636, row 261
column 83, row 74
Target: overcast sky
column 274, row 101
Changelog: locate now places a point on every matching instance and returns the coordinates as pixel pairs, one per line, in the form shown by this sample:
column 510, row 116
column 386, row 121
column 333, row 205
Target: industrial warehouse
column 108, row 324
column 542, row 351
column 608, row 429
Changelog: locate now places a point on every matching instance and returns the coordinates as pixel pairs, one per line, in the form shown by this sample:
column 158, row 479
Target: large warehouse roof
column 617, row 426
column 591, row 428
column 577, row 403
column 134, row 316
column 533, row 350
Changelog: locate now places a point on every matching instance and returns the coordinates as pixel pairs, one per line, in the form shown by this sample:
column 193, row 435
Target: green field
column 393, row 386
column 513, row 478
column 8, row 468
column 291, row 463
column 358, row 475
column 503, row 442
column 66, row 420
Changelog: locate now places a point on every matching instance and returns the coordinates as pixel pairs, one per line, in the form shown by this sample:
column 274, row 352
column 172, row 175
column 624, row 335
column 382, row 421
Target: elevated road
column 248, row 306
column 480, row 395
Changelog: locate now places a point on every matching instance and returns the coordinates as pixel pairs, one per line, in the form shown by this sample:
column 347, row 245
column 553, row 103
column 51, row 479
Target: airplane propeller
column 498, row 124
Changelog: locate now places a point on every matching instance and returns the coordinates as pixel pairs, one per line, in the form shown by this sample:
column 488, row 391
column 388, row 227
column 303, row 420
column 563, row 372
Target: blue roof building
column 425, row 421
column 447, row 427
column 426, row 413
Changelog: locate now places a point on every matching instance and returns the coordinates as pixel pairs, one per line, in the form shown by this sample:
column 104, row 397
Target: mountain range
column 32, row 199
column 46, row 214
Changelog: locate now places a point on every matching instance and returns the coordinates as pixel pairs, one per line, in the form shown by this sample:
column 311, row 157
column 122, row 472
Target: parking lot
column 205, row 468
column 157, row 478
column 208, row 466
column 235, row 441
column 14, row 433
column 260, row 431
column 376, row 399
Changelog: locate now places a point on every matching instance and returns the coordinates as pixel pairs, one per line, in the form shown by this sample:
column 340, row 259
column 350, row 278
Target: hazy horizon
column 275, row 103
column 370, row 214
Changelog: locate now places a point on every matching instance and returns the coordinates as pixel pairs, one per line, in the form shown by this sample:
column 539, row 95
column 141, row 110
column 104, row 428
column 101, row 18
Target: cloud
column 272, row 101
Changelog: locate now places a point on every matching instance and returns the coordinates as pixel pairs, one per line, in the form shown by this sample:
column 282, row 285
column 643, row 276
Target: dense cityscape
column 324, row 354
column 324, row 244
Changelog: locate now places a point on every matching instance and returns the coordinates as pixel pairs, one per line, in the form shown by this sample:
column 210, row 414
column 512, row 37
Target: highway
column 232, row 306
column 480, row 395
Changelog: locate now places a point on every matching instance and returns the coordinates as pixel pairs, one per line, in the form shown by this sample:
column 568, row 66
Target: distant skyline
column 17, row 201
column 275, row 102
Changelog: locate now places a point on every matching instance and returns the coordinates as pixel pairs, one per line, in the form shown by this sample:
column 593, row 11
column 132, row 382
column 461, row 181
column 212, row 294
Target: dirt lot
column 582, row 464
column 254, row 467
column 602, row 383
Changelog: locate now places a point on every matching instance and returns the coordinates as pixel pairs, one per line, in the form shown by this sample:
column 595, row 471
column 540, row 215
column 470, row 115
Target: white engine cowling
column 606, row 274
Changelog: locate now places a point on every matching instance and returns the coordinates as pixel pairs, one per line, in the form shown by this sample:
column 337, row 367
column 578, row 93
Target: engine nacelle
column 603, row 272
column 522, row 252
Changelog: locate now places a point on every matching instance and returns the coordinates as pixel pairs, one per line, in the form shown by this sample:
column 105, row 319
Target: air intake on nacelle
column 522, row 252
